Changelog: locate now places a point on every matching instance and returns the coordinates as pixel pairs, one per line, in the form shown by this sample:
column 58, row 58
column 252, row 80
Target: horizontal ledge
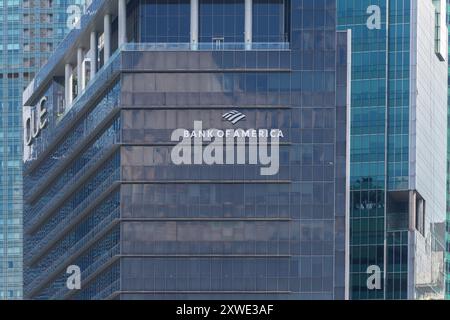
column 218, row 70
column 202, row 292
column 204, row 219
column 216, row 107
column 208, row 182
column 204, row 256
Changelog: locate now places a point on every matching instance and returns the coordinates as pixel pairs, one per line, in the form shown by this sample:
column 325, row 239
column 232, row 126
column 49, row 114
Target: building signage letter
column 36, row 121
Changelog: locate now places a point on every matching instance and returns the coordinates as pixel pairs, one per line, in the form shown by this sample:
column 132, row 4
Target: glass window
column 221, row 20
column 165, row 21
column 269, row 21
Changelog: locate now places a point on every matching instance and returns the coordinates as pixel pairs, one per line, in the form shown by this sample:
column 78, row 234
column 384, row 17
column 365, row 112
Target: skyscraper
column 447, row 239
column 398, row 145
column 190, row 149
column 30, row 30
column 147, row 166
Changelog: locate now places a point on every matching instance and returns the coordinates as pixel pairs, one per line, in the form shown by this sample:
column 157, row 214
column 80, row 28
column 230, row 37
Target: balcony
column 41, row 185
column 82, row 245
column 104, row 260
column 108, row 291
column 67, row 222
column 51, row 207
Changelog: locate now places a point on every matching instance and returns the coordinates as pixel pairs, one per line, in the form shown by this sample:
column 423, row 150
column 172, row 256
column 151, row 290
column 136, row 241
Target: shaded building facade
column 108, row 191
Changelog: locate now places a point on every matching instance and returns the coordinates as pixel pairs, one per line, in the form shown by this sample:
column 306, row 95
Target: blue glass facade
column 271, row 22
column 368, row 139
column 396, row 209
column 103, row 192
column 447, row 229
column 83, row 192
column 30, row 30
column 164, row 21
column 221, row 20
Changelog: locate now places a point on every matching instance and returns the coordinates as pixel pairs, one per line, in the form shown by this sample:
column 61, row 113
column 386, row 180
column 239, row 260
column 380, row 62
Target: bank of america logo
column 234, row 116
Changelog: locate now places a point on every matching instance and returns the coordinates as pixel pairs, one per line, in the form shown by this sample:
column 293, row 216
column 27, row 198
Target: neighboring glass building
column 108, row 184
column 398, row 155
column 447, row 240
column 29, row 29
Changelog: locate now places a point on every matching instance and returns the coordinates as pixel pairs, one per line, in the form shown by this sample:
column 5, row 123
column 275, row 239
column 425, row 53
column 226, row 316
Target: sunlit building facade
column 447, row 240
column 30, row 30
column 398, row 146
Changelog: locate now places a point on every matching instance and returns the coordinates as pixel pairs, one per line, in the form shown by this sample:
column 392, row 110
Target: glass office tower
column 29, row 29
column 116, row 189
column 398, row 126
column 447, row 240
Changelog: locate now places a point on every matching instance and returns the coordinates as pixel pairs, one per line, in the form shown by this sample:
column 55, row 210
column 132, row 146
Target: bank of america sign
column 228, row 146
column 234, row 116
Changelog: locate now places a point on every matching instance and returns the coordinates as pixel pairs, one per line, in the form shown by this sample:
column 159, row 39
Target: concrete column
column 122, row 16
column 80, row 70
column 194, row 24
column 107, row 37
column 68, row 85
column 248, row 24
column 94, row 54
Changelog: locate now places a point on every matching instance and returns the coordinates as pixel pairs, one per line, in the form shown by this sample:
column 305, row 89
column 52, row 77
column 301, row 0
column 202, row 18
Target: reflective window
column 165, row 21
column 221, row 20
column 269, row 21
